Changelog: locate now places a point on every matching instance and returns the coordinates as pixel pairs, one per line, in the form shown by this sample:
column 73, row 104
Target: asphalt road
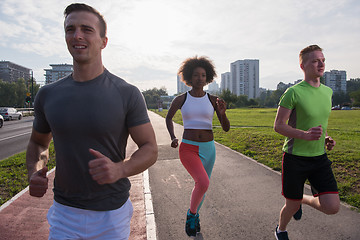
column 14, row 136
column 242, row 202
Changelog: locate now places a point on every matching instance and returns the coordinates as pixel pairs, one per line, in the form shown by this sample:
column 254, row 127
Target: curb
column 13, row 199
column 149, row 210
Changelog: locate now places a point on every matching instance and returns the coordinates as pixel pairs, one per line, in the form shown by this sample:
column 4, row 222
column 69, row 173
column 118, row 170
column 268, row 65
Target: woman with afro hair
column 197, row 148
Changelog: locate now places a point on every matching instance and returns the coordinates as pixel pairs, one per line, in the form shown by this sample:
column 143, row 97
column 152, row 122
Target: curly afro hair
column 188, row 66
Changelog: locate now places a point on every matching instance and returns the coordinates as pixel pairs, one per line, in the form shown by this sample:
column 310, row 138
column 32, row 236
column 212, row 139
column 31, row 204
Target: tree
column 242, row 101
column 264, row 98
column 20, row 92
column 253, row 103
column 355, row 97
column 229, row 98
column 339, row 98
column 152, row 97
column 7, row 92
column 353, row 85
column 13, row 94
column 271, row 98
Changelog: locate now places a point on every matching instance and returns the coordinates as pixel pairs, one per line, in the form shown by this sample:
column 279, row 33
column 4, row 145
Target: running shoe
column 298, row 214
column 197, row 222
column 192, row 223
column 281, row 235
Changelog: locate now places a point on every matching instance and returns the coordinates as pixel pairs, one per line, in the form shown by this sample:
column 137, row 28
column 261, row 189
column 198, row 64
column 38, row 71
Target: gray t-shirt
column 81, row 115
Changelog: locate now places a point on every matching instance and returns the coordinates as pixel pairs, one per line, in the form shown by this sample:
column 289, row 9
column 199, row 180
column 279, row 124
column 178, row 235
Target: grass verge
column 13, row 174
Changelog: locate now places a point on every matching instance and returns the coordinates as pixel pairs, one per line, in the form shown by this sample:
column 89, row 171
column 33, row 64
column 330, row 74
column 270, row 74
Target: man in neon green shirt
column 302, row 117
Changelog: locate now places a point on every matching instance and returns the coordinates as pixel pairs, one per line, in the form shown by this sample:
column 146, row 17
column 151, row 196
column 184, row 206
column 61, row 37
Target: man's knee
column 292, row 205
column 332, row 209
column 330, row 204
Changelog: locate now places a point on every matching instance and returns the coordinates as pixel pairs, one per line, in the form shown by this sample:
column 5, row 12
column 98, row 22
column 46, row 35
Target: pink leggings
column 198, row 158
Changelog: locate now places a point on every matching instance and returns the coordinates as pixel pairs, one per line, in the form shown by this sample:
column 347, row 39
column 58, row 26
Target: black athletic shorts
column 296, row 169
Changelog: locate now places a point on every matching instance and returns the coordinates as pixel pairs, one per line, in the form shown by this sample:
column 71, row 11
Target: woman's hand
column 221, row 106
column 175, row 143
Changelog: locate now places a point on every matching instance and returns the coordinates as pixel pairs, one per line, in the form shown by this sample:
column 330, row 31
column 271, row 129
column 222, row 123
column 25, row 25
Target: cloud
column 148, row 39
column 9, row 31
column 32, row 26
column 146, row 77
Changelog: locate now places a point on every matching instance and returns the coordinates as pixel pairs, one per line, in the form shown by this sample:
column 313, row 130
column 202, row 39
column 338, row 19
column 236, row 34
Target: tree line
column 13, row 94
column 352, row 95
column 269, row 98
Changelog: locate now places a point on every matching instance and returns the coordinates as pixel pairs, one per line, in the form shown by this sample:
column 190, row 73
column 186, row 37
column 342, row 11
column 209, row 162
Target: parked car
column 346, row 108
column 1, row 121
column 10, row 113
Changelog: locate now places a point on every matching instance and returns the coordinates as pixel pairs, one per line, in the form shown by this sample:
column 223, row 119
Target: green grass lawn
column 252, row 134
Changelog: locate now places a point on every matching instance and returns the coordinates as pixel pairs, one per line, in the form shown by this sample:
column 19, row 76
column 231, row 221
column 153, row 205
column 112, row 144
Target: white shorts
column 74, row 223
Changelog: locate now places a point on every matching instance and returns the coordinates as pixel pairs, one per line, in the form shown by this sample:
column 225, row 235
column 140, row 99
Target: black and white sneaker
column 281, row 235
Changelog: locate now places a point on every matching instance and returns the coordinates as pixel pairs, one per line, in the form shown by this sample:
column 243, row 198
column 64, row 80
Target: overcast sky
column 148, row 39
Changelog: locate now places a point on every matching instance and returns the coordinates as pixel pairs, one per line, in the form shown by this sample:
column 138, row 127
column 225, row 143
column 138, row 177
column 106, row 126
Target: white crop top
column 197, row 112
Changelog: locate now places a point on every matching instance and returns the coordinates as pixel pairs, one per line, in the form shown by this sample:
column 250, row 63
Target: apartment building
column 213, row 88
column 57, row 72
column 336, row 80
column 225, row 83
column 181, row 87
column 245, row 78
column 11, row 72
column 284, row 86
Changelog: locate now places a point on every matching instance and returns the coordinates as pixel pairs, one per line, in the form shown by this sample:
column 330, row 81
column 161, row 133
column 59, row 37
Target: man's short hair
column 306, row 51
column 77, row 7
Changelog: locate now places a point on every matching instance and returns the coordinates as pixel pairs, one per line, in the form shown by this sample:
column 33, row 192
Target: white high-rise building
column 181, row 87
column 213, row 88
column 245, row 78
column 336, row 80
column 57, row 72
column 225, row 81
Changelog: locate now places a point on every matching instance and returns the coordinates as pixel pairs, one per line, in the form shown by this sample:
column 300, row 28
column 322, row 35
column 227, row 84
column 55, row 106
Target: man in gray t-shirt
column 89, row 115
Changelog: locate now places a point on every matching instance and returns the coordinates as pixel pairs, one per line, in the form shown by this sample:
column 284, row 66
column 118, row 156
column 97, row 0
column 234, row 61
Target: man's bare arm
column 104, row 171
column 37, row 155
column 281, row 126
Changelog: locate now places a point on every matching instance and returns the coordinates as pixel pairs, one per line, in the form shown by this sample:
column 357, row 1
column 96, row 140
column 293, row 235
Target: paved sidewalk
column 24, row 217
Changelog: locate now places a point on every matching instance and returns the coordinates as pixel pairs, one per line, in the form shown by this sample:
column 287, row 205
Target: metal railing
column 26, row 111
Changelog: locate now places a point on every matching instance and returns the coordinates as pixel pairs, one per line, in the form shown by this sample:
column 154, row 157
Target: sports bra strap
column 184, row 100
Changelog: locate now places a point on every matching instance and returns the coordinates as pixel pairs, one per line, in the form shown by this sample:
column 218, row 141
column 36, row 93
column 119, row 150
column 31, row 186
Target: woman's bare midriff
column 198, row 135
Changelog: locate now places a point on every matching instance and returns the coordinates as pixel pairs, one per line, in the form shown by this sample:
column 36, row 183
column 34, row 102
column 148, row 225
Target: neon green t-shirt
column 311, row 107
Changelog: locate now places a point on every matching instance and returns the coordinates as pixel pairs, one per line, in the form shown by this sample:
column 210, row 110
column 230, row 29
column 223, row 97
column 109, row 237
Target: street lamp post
column 32, row 89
